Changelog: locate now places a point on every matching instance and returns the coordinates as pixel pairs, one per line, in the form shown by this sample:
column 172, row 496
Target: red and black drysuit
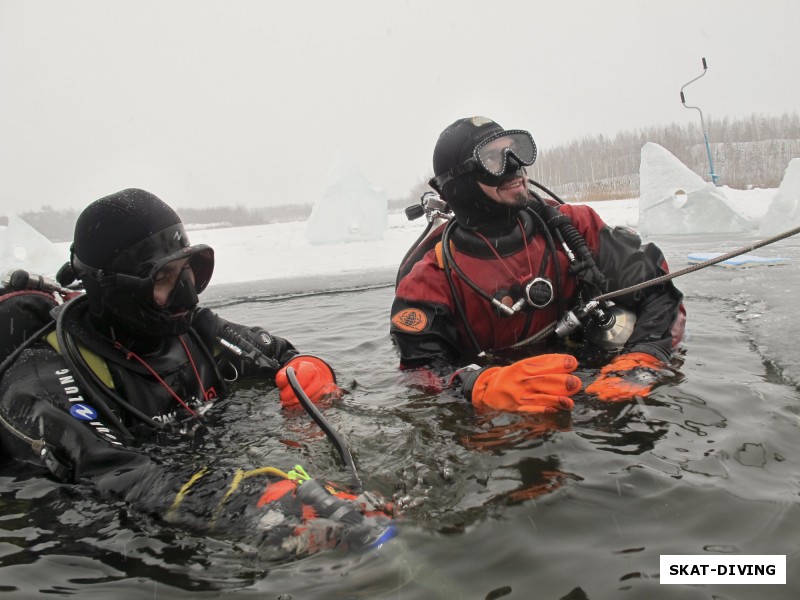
column 429, row 331
column 50, row 420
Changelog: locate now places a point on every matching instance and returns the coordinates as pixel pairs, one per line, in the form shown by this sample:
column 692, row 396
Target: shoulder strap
column 95, row 362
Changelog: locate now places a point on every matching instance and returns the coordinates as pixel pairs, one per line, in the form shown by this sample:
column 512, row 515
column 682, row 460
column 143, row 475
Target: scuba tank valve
column 431, row 205
column 612, row 330
column 607, row 326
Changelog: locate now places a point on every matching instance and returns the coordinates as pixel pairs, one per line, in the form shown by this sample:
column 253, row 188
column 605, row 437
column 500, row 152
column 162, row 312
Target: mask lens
column 202, row 265
column 194, row 262
column 492, row 153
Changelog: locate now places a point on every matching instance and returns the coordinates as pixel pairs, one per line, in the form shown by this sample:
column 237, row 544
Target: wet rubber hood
column 455, row 146
column 122, row 242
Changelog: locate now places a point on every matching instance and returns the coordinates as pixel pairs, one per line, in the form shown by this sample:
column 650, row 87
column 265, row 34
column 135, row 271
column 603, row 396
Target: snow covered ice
column 674, row 199
column 22, row 247
column 784, row 211
column 350, row 209
column 277, row 259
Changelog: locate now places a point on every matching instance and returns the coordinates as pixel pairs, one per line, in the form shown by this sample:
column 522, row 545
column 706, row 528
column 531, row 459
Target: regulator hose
column 337, row 441
column 411, row 250
column 89, row 380
column 581, row 261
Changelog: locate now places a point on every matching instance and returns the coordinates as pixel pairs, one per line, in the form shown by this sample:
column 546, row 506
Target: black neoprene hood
column 113, row 224
column 455, row 145
column 122, row 242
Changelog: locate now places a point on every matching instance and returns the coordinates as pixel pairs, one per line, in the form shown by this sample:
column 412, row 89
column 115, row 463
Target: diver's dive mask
column 125, row 290
column 491, row 157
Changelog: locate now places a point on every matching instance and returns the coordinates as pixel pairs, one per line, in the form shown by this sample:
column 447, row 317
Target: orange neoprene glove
column 313, row 374
column 540, row 384
column 626, row 376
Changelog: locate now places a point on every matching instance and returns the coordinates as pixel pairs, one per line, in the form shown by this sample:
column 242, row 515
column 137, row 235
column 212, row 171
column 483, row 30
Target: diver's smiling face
column 513, row 192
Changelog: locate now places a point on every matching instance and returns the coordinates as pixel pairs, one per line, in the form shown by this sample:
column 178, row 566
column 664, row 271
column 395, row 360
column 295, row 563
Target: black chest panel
column 178, row 377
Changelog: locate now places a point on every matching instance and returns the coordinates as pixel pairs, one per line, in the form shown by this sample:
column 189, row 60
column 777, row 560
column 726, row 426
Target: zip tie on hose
column 298, row 474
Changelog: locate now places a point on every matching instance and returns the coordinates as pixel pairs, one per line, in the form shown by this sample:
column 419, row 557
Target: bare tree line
column 747, row 153
column 58, row 224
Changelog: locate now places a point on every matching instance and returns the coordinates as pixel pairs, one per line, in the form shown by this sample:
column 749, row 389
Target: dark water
column 510, row 507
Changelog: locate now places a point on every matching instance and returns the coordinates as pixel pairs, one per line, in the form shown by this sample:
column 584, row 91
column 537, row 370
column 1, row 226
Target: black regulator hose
column 546, row 191
column 333, row 436
column 411, row 250
column 551, row 245
column 449, row 265
column 89, row 380
column 582, row 262
column 38, row 335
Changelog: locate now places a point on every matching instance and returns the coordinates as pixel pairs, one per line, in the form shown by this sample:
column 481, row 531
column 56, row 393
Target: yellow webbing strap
column 241, row 476
column 95, row 361
column 183, row 491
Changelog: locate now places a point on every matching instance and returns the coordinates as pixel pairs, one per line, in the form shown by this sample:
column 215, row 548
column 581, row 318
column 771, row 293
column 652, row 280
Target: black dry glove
column 251, row 349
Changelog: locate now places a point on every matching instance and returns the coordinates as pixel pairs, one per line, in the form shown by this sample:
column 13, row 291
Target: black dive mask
column 129, row 299
column 497, row 159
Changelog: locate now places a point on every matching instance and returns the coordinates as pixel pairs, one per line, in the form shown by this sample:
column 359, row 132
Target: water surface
column 508, row 506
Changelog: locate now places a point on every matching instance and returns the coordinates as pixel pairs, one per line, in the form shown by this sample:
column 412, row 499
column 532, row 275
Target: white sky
column 247, row 102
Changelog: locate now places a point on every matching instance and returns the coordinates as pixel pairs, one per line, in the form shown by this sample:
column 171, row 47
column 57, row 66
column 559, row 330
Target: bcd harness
column 538, row 292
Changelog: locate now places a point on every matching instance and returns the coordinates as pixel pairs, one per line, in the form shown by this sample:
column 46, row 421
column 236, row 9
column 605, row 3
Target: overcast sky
column 211, row 103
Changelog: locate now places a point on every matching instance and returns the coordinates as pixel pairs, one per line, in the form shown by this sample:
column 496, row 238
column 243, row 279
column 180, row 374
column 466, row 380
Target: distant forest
column 748, row 153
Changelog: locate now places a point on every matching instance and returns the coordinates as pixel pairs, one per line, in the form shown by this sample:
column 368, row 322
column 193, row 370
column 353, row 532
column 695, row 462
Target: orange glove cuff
column 314, row 375
column 314, row 360
column 626, row 362
column 611, row 384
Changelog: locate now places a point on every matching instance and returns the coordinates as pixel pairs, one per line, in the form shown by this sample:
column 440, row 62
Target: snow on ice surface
column 784, row 212
column 350, row 209
column 674, row 199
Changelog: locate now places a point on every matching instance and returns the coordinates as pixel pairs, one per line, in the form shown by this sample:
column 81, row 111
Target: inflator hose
column 337, row 441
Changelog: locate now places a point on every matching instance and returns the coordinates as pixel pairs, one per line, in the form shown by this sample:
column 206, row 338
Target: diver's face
column 166, row 278
column 513, row 193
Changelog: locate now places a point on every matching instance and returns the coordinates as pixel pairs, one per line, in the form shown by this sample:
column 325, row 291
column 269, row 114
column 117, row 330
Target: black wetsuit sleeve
column 429, row 354
column 216, row 331
column 425, row 335
column 626, row 262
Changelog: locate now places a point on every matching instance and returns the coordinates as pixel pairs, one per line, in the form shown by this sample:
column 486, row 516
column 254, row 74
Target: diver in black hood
column 507, row 265
column 480, row 171
column 135, row 360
